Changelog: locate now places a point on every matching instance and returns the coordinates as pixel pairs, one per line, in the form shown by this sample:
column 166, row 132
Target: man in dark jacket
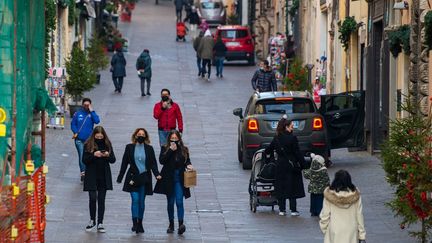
column 195, row 46
column 264, row 79
column 168, row 114
column 194, row 21
column 118, row 69
column 179, row 9
column 143, row 66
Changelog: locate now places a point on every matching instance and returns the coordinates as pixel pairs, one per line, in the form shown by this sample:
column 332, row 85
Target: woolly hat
column 318, row 158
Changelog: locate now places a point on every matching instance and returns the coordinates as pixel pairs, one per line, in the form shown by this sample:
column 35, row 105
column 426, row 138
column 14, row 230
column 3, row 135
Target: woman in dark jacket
column 118, row 69
column 98, row 154
column 175, row 159
column 219, row 53
column 141, row 159
column 290, row 161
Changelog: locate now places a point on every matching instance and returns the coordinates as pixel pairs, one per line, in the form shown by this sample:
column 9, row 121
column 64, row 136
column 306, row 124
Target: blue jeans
column 199, row 65
column 138, row 203
column 80, row 148
column 177, row 198
column 163, row 137
column 219, row 65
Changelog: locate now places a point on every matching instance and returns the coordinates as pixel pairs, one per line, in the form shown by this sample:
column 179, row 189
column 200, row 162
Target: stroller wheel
column 254, row 205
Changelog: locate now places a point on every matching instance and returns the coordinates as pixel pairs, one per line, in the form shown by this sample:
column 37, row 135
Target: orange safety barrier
column 22, row 209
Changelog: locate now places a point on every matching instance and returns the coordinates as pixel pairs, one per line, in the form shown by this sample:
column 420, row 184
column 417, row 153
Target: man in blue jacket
column 82, row 126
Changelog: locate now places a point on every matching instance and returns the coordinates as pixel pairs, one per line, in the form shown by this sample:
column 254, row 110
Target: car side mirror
column 238, row 112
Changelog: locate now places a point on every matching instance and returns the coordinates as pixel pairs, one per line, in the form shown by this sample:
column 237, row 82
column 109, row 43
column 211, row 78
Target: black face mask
column 100, row 142
column 140, row 139
column 176, row 142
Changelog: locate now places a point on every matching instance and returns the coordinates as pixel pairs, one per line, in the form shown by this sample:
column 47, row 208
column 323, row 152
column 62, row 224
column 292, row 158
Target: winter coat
column 205, row 48
column 144, row 62
column 168, row 160
column 220, row 49
column 87, row 128
column 179, row 4
column 264, row 80
column 118, row 65
column 168, row 118
column 290, row 161
column 129, row 160
column 341, row 219
column 196, row 44
column 98, row 167
column 193, row 18
column 318, row 176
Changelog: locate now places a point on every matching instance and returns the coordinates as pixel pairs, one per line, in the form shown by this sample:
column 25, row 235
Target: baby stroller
column 261, row 187
column 181, row 31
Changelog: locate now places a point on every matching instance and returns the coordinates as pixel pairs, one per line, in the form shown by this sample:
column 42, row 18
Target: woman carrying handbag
column 175, row 159
column 140, row 157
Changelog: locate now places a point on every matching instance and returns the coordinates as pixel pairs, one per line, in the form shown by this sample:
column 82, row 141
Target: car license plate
column 275, row 123
column 232, row 44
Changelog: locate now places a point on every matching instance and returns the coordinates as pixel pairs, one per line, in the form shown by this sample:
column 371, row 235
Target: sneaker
column 101, row 228
column 91, row 225
column 295, row 213
column 82, row 176
column 282, row 213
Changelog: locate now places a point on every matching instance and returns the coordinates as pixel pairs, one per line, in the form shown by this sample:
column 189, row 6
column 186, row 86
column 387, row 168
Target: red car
column 238, row 41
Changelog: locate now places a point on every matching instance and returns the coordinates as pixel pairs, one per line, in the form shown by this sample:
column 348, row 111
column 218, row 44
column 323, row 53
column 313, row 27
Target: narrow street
column 218, row 210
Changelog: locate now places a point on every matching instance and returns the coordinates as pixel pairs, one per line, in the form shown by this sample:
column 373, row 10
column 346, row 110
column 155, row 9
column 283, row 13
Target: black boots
column 137, row 225
column 181, row 228
column 134, row 224
column 170, row 229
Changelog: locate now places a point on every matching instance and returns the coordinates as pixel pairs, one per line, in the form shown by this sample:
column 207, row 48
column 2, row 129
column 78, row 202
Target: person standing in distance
column 205, row 50
column 118, row 69
column 143, row 66
column 82, row 125
column 169, row 115
column 264, row 79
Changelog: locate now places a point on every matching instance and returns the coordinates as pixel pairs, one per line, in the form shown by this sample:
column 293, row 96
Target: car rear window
column 233, row 34
column 211, row 5
column 276, row 106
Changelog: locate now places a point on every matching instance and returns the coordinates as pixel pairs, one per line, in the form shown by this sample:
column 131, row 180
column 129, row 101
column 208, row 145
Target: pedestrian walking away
column 82, row 125
column 196, row 44
column 205, row 50
column 342, row 214
column 264, row 79
column 144, row 69
column 194, row 21
column 139, row 160
column 220, row 52
column 319, row 181
column 175, row 159
column 118, row 69
column 169, row 116
column 98, row 156
column 290, row 162
column 179, row 9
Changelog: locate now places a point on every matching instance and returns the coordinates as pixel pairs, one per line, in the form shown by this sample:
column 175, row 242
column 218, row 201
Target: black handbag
column 268, row 171
column 138, row 179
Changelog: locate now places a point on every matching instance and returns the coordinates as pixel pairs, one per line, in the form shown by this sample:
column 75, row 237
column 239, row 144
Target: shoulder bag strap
column 79, row 130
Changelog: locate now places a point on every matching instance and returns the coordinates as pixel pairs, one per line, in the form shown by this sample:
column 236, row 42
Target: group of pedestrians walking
column 338, row 204
column 96, row 153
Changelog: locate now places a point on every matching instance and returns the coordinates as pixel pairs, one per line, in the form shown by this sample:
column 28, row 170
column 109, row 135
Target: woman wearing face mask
column 140, row 157
column 98, row 154
column 175, row 159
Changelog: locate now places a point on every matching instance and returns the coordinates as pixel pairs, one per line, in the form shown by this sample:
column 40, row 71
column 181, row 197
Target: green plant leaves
column 348, row 26
column 399, row 39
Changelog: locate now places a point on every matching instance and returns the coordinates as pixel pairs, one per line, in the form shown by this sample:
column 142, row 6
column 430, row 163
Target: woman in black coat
column 175, row 159
column 98, row 154
column 290, row 162
column 118, row 69
column 141, row 159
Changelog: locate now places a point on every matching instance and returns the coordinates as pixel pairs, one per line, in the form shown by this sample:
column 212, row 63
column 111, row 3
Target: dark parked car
column 337, row 124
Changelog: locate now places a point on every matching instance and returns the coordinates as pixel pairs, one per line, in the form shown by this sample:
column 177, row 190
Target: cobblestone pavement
column 218, row 210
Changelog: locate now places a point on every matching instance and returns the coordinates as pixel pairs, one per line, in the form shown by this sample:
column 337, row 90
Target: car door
column 344, row 116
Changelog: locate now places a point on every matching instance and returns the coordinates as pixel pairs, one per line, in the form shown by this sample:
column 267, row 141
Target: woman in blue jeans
column 141, row 159
column 220, row 52
column 175, row 159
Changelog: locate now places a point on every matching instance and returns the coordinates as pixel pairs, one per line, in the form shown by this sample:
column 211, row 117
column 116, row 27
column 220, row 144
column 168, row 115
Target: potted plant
column 96, row 56
column 80, row 76
column 297, row 79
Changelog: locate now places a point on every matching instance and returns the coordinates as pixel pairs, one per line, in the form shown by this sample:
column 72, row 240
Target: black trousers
column 206, row 62
column 143, row 80
column 316, row 203
column 99, row 197
column 292, row 204
column 179, row 15
column 118, row 83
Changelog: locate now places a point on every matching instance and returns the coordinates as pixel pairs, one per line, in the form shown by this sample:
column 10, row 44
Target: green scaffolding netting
column 29, row 74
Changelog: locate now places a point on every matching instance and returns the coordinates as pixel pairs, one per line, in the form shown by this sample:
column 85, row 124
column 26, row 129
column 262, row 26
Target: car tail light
column 317, row 123
column 253, row 125
column 264, row 194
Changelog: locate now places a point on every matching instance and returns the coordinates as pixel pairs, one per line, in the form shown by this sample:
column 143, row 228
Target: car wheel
column 251, row 61
column 247, row 162
column 239, row 152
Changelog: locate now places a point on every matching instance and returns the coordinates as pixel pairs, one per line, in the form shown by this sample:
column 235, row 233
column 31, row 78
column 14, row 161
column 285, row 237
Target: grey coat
column 118, row 65
column 205, row 48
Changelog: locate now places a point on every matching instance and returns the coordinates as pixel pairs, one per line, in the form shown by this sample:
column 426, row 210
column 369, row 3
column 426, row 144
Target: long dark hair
column 282, row 125
column 90, row 144
column 184, row 150
column 342, row 182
